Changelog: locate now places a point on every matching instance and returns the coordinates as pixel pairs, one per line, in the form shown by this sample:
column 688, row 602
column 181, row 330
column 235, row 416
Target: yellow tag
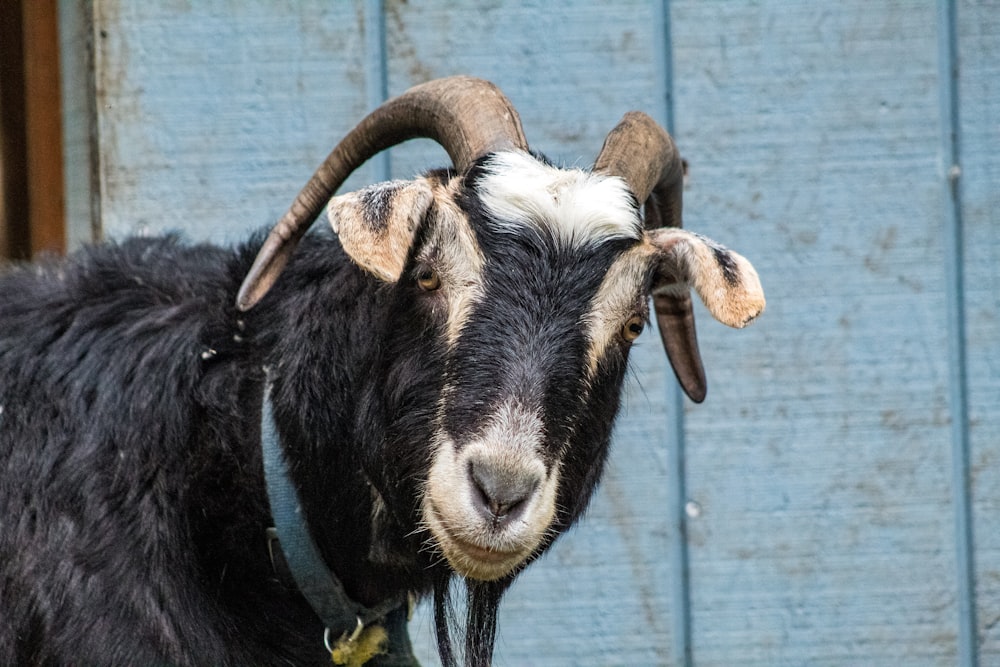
column 371, row 642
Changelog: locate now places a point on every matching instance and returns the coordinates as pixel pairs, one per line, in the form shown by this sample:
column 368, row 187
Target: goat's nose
column 500, row 493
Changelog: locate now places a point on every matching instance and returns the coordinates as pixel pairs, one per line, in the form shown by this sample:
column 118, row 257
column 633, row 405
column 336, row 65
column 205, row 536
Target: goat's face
column 517, row 289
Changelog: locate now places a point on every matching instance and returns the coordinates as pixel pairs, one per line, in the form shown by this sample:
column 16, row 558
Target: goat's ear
column 726, row 282
column 376, row 224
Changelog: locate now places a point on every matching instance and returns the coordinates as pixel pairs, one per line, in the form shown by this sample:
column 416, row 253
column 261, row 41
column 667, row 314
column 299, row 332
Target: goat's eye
column 428, row 279
column 632, row 328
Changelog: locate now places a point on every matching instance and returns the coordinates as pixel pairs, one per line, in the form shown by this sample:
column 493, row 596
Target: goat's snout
column 490, row 501
column 501, row 494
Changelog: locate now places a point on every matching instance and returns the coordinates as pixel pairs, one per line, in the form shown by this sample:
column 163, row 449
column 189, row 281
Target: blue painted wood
column 978, row 37
column 958, row 377
column 377, row 75
column 212, row 116
column 676, row 441
column 79, row 115
column 822, row 466
column 571, row 70
column 816, row 482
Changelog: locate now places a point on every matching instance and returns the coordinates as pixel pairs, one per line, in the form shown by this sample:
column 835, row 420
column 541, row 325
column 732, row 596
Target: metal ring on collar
column 358, row 629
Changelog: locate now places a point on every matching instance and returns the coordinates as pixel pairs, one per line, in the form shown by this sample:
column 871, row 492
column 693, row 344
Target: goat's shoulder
column 100, row 354
column 110, row 336
column 133, row 277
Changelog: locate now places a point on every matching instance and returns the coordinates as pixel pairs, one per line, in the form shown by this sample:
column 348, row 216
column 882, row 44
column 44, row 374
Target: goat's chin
column 481, row 557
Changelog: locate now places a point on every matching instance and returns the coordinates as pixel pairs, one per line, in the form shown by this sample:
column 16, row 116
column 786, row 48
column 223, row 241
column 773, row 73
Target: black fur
column 132, row 502
column 132, row 508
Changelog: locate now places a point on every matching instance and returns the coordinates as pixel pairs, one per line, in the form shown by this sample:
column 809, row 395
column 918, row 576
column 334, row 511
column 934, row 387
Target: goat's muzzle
column 489, row 504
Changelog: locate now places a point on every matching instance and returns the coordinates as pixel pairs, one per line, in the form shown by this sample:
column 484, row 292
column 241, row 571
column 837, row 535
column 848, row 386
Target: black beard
column 482, row 602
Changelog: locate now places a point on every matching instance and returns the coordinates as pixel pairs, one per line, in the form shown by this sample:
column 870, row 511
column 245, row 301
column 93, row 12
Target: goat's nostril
column 501, row 494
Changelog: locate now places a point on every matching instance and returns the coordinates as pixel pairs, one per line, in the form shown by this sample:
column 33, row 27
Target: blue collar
column 343, row 618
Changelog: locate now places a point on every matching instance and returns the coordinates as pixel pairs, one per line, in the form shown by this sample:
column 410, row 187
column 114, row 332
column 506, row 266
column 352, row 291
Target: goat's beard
column 482, row 603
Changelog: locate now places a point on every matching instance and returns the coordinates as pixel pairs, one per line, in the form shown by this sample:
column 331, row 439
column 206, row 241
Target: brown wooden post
column 32, row 218
column 43, row 127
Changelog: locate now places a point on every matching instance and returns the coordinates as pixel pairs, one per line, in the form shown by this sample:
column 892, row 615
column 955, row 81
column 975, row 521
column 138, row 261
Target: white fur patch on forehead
column 578, row 208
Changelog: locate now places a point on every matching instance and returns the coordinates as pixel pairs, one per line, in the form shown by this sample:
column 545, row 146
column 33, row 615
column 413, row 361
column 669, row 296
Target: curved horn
column 469, row 117
column 645, row 157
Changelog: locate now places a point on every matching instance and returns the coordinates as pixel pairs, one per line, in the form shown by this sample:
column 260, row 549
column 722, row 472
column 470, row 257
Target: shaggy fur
column 132, row 499
column 133, row 519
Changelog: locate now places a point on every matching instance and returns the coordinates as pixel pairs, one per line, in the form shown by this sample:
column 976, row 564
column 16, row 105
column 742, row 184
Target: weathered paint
column 978, row 43
column 823, row 467
column 205, row 112
column 819, row 473
column 958, row 364
column 79, row 119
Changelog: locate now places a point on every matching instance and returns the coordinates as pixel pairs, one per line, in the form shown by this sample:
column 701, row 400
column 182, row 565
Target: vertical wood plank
column 31, row 217
column 676, row 441
column 14, row 235
column 212, row 115
column 376, row 74
column 571, row 70
column 821, row 465
column 978, row 41
column 79, row 122
column 954, row 275
column 43, row 127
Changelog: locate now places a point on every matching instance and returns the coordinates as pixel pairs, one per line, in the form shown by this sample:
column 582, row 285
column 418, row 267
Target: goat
column 441, row 376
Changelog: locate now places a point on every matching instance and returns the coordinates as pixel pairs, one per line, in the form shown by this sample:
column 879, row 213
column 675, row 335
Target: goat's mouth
column 484, row 557
column 489, row 503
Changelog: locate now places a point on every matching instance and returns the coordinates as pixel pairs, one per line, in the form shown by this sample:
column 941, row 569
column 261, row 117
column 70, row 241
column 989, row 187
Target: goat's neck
column 357, row 537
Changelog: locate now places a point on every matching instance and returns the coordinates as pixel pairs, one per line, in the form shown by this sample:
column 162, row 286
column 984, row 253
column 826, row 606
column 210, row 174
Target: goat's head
column 519, row 286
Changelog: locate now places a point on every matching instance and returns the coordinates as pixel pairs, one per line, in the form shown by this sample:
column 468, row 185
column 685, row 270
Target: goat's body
column 445, row 374
column 134, row 514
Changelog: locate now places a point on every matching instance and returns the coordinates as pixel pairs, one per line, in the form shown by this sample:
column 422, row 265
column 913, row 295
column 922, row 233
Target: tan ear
column 724, row 280
column 376, row 224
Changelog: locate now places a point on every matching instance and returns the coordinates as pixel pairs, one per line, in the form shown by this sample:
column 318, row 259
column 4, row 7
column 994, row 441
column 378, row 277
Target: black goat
column 443, row 374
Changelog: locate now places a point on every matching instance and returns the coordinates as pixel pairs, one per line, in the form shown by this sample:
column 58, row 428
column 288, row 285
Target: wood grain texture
column 822, row 465
column 819, row 472
column 213, row 115
column 572, row 70
column 43, row 127
column 979, row 97
column 79, row 118
column 15, row 239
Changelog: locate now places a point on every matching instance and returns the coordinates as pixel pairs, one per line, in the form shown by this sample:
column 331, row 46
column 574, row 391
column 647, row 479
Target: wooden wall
column 835, row 499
